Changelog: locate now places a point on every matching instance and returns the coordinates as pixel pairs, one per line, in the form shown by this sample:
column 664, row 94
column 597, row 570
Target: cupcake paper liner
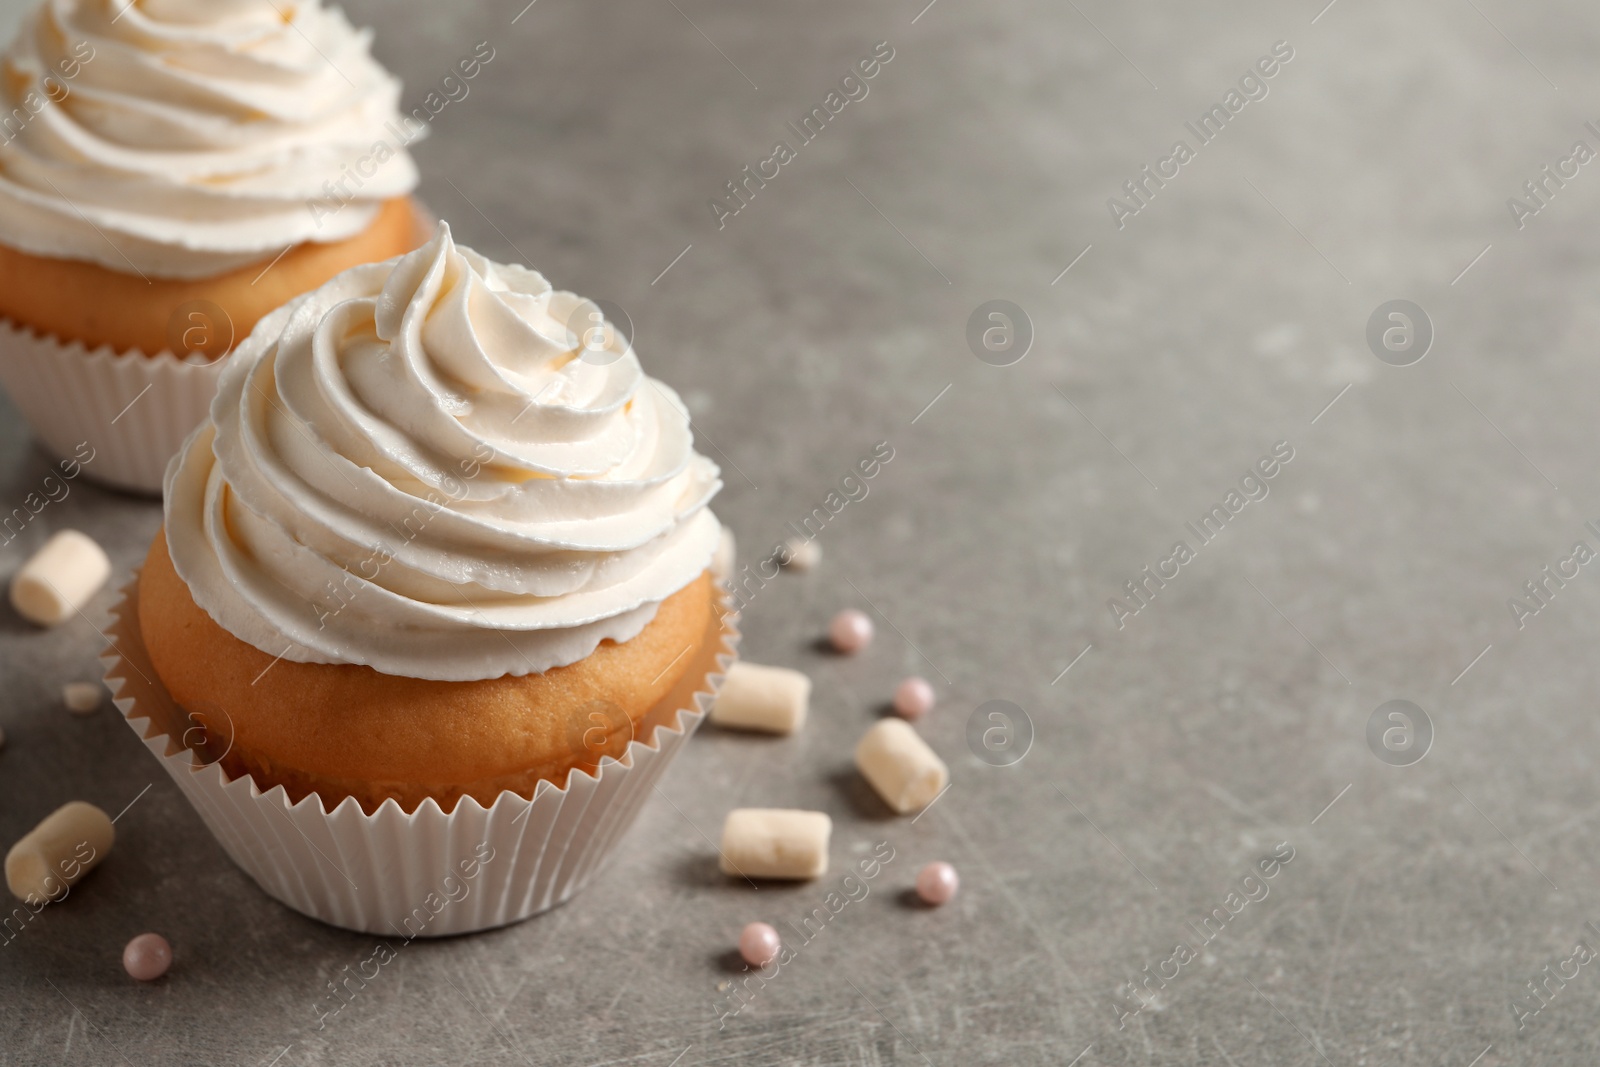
column 427, row 873
column 134, row 410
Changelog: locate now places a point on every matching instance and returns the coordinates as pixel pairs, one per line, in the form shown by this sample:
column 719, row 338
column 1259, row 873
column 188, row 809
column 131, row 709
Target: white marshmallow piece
column 725, row 558
column 82, row 697
column 898, row 763
column 59, row 851
column 60, row 578
column 776, row 843
column 803, row 554
column 770, row 699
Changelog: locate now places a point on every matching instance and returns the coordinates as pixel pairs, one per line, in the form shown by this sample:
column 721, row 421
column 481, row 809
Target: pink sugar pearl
column 147, row 957
column 850, row 631
column 759, row 944
column 913, row 698
column 937, row 884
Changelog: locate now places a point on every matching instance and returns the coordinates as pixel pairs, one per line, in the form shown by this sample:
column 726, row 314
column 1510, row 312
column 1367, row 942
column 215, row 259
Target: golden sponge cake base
column 74, row 300
column 341, row 730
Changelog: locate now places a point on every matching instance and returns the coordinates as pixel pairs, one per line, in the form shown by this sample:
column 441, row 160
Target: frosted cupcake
column 441, row 547
column 171, row 171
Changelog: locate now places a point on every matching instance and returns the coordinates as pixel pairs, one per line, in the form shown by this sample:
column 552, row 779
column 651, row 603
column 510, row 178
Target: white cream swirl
column 420, row 467
column 187, row 138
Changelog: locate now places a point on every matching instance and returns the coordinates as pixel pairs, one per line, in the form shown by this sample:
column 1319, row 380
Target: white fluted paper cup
column 426, row 873
column 132, row 409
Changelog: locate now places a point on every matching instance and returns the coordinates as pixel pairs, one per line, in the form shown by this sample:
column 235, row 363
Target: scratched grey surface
column 1177, row 751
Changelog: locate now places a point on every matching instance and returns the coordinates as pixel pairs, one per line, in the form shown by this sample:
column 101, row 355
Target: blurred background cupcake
column 171, row 171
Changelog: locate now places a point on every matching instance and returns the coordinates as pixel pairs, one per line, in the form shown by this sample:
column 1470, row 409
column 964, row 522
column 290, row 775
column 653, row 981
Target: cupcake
column 170, row 172
column 440, row 553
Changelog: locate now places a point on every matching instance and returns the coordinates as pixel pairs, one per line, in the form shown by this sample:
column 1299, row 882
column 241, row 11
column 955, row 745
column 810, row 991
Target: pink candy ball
column 147, row 957
column 913, row 698
column 759, row 944
column 850, row 631
column 937, row 884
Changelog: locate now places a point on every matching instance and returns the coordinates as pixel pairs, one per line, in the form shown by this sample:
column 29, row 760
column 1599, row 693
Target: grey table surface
column 1227, row 315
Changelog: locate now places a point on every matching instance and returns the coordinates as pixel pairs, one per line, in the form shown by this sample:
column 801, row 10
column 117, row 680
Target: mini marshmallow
column 82, row 697
column 775, row 843
column 726, row 556
column 59, row 851
column 769, row 699
column 803, row 554
column 60, row 578
column 898, row 763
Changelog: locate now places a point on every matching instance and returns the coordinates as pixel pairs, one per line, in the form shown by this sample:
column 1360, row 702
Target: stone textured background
column 1177, row 751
